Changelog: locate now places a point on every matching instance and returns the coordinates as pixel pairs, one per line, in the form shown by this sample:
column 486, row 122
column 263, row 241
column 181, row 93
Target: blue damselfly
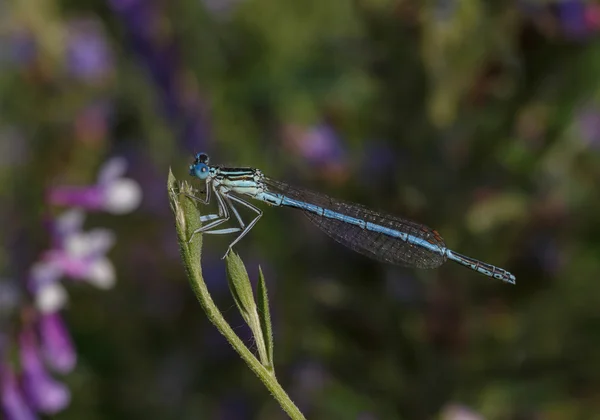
column 377, row 235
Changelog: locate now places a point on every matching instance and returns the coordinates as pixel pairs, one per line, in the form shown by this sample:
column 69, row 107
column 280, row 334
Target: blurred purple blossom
column 575, row 19
column 112, row 193
column 588, row 121
column 89, row 57
column 44, row 284
column 592, row 16
column 56, row 344
column 75, row 254
column 14, row 404
column 44, row 393
column 84, row 257
column 68, row 223
column 571, row 14
column 320, row 145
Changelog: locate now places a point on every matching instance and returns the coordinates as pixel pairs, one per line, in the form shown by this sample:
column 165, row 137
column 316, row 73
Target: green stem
column 187, row 220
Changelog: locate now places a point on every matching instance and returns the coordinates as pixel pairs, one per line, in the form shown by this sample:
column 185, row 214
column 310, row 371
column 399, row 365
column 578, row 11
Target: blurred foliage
column 479, row 118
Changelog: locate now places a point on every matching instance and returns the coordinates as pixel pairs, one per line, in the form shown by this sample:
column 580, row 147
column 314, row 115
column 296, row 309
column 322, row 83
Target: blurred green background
column 478, row 118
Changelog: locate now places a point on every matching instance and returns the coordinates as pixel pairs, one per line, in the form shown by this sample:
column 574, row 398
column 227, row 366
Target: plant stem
column 187, row 220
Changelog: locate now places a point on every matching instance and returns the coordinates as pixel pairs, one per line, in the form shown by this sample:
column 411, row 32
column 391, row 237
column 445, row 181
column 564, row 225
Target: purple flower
column 68, row 223
column 319, row 144
column 43, row 283
column 83, row 257
column 592, row 16
column 45, row 394
column 89, row 57
column 14, row 405
column 112, row 193
column 56, row 344
column 75, row 254
column 572, row 17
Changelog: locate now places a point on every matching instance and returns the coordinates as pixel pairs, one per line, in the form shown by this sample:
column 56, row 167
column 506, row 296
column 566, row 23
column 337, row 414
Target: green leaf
column 240, row 286
column 241, row 289
column 265, row 316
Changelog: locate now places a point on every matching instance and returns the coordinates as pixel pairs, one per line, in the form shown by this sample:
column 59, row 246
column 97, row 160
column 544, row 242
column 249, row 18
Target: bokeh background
column 479, row 118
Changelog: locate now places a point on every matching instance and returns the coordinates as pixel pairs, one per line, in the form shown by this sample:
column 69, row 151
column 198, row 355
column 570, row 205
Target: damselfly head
column 199, row 168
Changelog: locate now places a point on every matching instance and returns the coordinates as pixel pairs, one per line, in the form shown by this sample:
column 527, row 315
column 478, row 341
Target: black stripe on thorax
column 237, row 174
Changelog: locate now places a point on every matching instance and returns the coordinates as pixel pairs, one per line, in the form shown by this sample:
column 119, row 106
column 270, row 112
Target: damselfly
column 377, row 235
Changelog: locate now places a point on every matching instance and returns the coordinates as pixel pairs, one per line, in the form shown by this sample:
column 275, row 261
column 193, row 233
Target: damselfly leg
column 235, row 212
column 247, row 229
column 226, row 204
column 222, row 217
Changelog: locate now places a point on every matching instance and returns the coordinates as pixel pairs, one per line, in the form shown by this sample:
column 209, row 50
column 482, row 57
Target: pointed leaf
column 240, row 287
column 265, row 316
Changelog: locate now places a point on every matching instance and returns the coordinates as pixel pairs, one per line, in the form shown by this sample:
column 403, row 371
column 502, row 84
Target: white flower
column 122, row 196
column 101, row 273
column 51, row 297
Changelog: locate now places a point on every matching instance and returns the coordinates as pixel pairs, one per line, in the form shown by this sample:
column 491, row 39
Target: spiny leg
column 250, row 225
column 222, row 211
column 235, row 212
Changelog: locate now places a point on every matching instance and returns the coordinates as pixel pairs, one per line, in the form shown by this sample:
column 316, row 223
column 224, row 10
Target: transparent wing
column 376, row 245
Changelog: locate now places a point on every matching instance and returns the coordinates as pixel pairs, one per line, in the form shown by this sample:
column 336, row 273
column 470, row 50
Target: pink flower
column 14, row 405
column 75, row 254
column 45, row 394
column 112, row 193
column 56, row 344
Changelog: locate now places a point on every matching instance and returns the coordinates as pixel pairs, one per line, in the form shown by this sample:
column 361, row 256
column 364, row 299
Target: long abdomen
column 377, row 235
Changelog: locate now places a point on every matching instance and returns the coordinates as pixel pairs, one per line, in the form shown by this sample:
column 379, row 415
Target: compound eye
column 202, row 158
